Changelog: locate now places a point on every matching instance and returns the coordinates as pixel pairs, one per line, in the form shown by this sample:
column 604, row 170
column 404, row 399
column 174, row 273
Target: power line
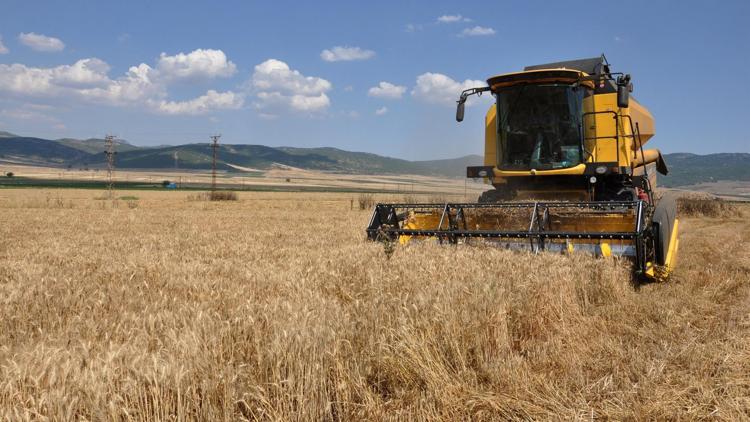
column 215, row 149
column 109, row 142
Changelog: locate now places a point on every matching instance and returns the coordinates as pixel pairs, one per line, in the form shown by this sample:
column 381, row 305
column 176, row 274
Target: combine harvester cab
column 564, row 155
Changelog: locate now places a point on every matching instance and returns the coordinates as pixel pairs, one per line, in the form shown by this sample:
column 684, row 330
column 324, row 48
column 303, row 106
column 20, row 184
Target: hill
column 96, row 145
column 37, row 151
column 689, row 169
column 199, row 156
column 685, row 169
column 89, row 153
column 453, row 167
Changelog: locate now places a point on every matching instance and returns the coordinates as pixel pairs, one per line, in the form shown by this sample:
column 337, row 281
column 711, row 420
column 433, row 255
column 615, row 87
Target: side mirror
column 623, row 91
column 462, row 100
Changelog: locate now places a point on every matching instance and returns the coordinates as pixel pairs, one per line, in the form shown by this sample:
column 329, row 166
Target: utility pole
column 215, row 148
column 109, row 142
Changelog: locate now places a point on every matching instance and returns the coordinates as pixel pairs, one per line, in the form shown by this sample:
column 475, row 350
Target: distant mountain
column 95, row 145
column 684, row 168
column 231, row 158
column 453, row 167
column 357, row 162
column 689, row 169
column 39, row 151
column 90, row 153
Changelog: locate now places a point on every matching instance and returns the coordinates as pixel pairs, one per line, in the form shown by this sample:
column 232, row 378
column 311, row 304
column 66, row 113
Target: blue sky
column 271, row 73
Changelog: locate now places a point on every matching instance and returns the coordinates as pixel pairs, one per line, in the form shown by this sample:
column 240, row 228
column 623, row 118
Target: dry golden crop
column 275, row 307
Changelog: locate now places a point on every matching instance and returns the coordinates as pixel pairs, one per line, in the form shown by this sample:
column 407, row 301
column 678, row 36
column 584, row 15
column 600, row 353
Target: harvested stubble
column 269, row 308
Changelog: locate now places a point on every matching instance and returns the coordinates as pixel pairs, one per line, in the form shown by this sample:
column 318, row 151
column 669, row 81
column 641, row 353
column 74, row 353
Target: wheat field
column 162, row 306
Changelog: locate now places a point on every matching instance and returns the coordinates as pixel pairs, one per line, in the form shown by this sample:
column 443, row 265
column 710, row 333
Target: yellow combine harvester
column 564, row 152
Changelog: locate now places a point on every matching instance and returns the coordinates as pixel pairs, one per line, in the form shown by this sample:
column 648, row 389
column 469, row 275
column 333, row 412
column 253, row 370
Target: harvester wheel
column 495, row 195
column 665, row 214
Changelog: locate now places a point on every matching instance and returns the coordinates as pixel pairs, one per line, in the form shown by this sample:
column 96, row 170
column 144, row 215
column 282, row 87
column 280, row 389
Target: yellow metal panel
column 418, row 221
column 490, row 142
column 606, row 128
column 662, row 273
column 579, row 169
column 673, row 245
column 490, row 137
column 648, row 156
column 650, row 270
column 643, row 118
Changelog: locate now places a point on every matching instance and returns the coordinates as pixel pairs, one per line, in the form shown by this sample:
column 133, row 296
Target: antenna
column 109, row 143
column 215, row 149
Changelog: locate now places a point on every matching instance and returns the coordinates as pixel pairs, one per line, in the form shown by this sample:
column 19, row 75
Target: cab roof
column 592, row 66
column 564, row 76
column 559, row 72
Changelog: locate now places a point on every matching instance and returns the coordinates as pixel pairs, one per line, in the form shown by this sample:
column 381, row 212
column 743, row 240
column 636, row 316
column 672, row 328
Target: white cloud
column 87, row 80
column 278, row 101
column 41, row 42
column 66, row 79
column 477, row 31
column 274, row 74
column 411, row 27
column 381, row 111
column 452, row 19
column 276, row 85
column 3, row 48
column 437, row 88
column 345, row 54
column 310, row 103
column 83, row 73
column 138, row 86
column 29, row 81
column 387, row 90
column 199, row 63
column 201, row 105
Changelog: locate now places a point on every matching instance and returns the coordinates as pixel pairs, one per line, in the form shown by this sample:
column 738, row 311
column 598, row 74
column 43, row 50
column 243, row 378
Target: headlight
column 482, row 173
column 601, row 170
column 592, row 179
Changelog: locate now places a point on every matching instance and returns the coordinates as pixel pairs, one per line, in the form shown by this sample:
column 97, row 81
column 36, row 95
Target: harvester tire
column 495, row 195
column 665, row 214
